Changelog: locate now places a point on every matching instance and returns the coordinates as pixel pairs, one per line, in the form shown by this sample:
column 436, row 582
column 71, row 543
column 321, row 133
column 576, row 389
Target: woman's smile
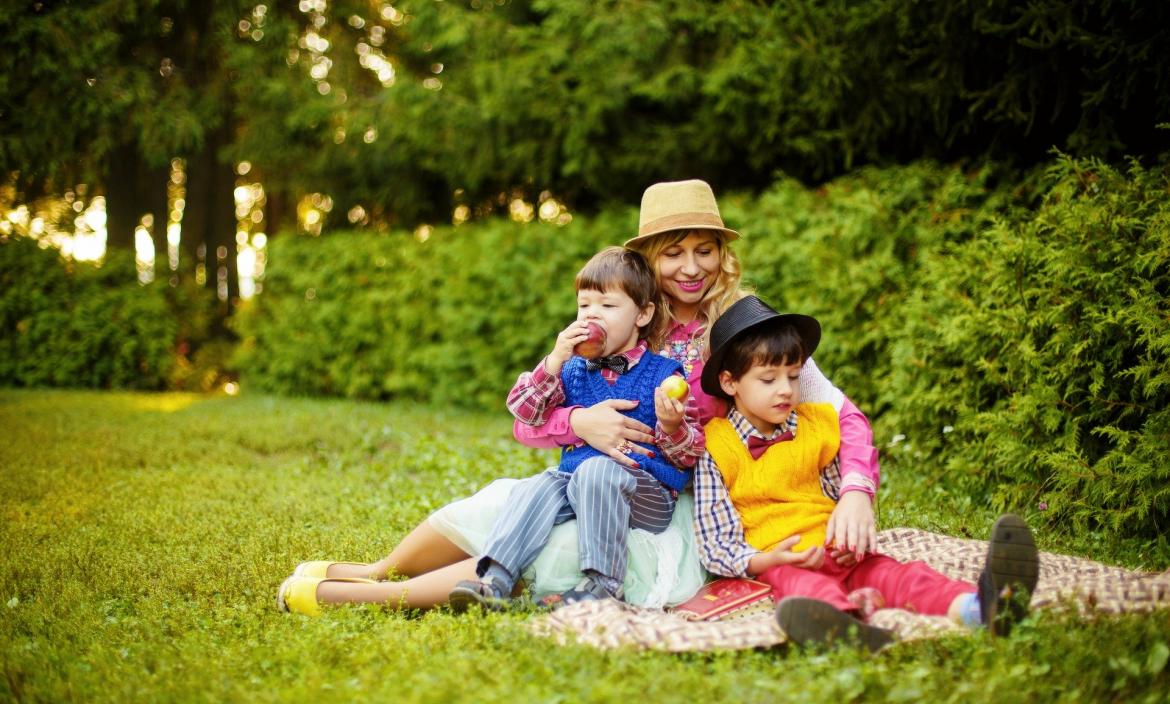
column 687, row 269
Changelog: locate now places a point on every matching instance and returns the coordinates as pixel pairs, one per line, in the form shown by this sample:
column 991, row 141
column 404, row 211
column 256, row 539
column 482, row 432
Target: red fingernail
column 651, row 455
column 637, row 466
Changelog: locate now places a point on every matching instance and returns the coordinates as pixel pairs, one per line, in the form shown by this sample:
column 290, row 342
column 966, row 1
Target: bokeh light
column 251, row 241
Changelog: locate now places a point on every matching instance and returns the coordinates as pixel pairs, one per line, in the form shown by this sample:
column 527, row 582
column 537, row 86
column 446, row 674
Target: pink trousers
column 905, row 585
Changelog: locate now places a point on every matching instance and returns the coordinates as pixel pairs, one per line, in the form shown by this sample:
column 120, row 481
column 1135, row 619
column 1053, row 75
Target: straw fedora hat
column 747, row 314
column 679, row 205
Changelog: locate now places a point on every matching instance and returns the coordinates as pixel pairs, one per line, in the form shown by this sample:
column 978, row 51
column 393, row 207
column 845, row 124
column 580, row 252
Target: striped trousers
column 607, row 500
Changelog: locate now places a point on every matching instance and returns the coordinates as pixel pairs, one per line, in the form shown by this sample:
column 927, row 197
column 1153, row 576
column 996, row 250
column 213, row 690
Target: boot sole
column 1014, row 565
column 806, row 621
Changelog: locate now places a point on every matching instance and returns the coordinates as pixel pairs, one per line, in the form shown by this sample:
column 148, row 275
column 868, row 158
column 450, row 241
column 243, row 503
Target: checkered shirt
column 718, row 530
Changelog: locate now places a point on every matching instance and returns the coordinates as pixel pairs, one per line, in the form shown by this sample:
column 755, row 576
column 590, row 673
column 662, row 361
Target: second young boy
column 761, row 510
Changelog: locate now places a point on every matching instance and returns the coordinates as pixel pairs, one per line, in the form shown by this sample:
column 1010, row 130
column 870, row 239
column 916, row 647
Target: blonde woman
column 683, row 237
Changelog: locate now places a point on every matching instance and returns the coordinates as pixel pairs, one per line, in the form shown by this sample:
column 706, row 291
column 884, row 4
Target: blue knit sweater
column 585, row 388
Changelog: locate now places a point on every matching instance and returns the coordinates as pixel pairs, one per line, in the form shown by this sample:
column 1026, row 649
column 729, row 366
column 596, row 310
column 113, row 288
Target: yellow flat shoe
column 320, row 568
column 298, row 594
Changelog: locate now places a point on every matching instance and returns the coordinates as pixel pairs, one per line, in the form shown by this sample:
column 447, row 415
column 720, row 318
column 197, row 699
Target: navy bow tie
column 757, row 446
column 617, row 363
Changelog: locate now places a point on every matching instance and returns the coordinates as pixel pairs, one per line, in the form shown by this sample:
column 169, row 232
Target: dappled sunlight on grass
column 164, row 403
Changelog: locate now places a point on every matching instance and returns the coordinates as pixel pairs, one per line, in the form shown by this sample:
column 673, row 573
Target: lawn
column 144, row 537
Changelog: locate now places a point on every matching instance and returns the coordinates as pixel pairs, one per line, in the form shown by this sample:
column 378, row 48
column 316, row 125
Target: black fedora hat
column 750, row 313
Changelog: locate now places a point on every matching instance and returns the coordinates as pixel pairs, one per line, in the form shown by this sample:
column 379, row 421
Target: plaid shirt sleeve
column 718, row 531
column 684, row 447
column 534, row 395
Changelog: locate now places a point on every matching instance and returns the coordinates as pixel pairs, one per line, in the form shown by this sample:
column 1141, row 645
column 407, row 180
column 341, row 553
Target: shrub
column 453, row 319
column 1008, row 338
column 75, row 324
column 1036, row 370
column 850, row 252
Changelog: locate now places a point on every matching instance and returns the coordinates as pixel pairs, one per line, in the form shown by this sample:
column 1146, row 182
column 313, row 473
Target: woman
column 682, row 236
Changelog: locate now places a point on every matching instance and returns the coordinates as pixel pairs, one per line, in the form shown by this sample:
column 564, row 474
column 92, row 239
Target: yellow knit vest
column 779, row 494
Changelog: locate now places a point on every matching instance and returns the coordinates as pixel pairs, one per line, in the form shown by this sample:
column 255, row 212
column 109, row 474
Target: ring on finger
column 625, row 447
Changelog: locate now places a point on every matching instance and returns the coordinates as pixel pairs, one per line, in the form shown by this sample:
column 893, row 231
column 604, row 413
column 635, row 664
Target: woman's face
column 688, row 269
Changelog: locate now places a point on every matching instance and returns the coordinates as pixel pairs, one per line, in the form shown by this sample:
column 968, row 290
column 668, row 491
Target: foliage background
column 997, row 310
column 79, row 324
column 1009, row 340
column 590, row 100
column 65, row 324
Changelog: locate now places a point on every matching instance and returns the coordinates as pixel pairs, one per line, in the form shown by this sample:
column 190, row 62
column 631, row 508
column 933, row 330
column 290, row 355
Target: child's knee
column 601, row 473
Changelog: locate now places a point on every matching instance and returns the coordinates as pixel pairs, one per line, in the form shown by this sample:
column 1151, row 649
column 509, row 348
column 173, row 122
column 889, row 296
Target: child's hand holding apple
column 670, row 402
column 584, row 338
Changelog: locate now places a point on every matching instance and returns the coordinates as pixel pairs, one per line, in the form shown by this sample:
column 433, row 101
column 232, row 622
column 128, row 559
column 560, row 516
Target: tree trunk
column 133, row 188
column 209, row 220
column 152, row 194
column 279, row 213
column 221, row 232
column 200, row 167
column 121, row 188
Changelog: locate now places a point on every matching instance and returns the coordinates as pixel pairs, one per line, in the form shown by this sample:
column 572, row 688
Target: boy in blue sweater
column 616, row 290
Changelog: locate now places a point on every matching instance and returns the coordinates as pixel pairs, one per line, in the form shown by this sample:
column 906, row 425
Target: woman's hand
column 562, row 351
column 842, row 557
column 809, row 558
column 851, row 527
column 610, row 432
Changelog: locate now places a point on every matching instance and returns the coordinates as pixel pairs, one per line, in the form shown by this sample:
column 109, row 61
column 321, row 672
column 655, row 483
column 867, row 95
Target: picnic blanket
column 1065, row 582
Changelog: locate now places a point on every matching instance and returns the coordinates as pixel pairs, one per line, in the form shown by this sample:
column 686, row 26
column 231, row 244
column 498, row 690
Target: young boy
column 616, row 290
column 760, row 509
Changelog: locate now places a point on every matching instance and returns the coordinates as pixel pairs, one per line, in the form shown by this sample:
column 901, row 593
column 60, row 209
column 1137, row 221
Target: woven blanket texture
column 1065, row 582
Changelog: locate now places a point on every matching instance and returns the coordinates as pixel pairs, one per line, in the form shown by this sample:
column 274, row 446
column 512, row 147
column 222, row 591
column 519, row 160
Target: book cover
column 723, row 596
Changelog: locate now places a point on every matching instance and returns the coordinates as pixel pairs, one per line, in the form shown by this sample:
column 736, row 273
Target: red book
column 724, row 597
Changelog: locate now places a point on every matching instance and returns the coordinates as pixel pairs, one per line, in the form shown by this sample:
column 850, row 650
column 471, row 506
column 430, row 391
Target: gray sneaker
column 488, row 594
column 588, row 589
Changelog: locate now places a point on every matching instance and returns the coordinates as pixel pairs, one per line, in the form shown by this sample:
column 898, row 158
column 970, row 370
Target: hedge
column 1007, row 336
column 453, row 319
column 76, row 324
column 1037, row 368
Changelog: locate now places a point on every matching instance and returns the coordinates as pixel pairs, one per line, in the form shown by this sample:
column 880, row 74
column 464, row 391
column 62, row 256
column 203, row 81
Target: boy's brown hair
column 751, row 332
column 768, row 345
column 625, row 270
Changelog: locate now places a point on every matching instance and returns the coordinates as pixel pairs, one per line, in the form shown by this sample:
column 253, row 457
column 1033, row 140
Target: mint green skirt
column 664, row 569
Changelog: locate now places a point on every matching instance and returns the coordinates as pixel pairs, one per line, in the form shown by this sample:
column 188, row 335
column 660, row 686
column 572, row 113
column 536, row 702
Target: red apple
column 594, row 345
column 674, row 386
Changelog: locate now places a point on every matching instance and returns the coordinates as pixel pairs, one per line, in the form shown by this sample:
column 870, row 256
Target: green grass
column 143, row 538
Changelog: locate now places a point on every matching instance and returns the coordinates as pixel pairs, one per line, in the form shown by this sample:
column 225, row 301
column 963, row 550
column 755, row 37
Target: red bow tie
column 757, row 446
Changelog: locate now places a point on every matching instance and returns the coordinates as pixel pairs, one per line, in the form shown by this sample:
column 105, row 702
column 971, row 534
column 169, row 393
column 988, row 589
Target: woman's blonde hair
column 727, row 289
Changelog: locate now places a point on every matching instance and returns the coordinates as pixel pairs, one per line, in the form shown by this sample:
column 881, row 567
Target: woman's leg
column 422, row 551
column 421, row 592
